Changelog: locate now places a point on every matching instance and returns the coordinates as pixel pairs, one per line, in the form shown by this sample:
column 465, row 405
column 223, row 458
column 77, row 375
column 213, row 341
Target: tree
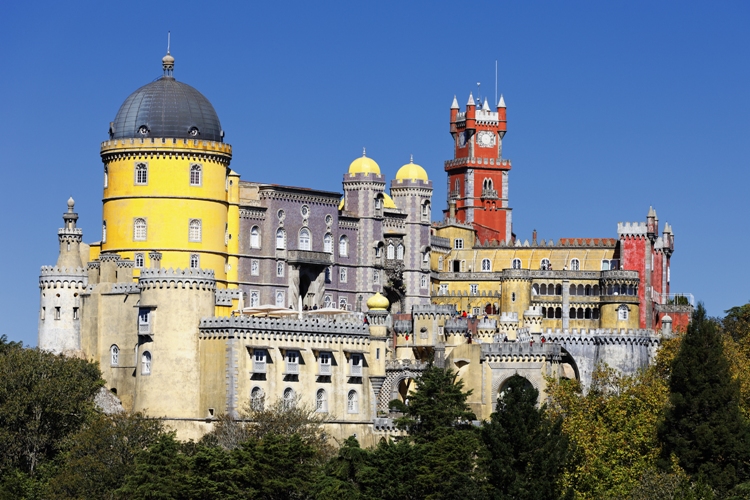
column 160, row 472
column 703, row 426
column 527, row 450
column 437, row 405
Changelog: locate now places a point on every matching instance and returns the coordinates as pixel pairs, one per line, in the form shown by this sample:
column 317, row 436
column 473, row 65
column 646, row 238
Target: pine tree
column 527, row 450
column 703, row 427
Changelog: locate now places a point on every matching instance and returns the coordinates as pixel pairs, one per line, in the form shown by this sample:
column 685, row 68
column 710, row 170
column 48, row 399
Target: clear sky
column 612, row 107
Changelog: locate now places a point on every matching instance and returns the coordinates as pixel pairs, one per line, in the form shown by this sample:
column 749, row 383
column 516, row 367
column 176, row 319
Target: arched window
column 543, row 289
column 255, row 237
column 400, row 252
column 575, row 265
column 572, row 290
column 288, row 398
column 257, row 399
column 304, row 239
column 106, row 176
column 254, row 298
column 426, row 210
column 280, row 269
column 328, row 275
column 558, row 290
column 104, row 231
column 423, row 282
column 516, row 264
column 141, row 173
column 280, row 239
column 343, row 246
column 195, row 174
column 486, row 265
column 328, row 243
column 139, row 229
column 458, row 186
column 114, row 355
column 623, row 313
column 390, row 252
column 376, row 277
column 146, row 363
column 195, row 261
column 280, row 300
column 352, row 405
column 194, row 231
column 321, row 401
column 544, row 265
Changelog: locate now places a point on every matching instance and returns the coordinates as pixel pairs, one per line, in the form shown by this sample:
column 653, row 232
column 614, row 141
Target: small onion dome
column 411, row 171
column 377, row 302
column 364, row 165
column 168, row 59
column 388, row 201
column 71, row 203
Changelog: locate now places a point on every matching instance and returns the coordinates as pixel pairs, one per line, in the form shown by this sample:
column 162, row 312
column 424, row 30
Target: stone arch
column 567, row 359
column 527, row 374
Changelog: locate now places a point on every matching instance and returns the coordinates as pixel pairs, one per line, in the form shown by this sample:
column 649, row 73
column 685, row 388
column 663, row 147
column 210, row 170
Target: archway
column 568, row 366
column 504, row 387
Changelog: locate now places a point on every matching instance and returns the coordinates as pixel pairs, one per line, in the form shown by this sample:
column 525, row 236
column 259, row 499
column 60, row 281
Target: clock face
column 462, row 139
column 485, row 139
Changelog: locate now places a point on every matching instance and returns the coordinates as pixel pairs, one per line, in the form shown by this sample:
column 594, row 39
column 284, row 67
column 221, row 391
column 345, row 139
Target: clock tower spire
column 478, row 174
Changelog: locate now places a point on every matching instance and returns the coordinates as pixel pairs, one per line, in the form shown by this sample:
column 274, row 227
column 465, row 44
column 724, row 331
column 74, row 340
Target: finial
column 364, row 152
column 485, row 106
column 71, row 204
column 411, row 158
column 501, row 103
column 169, row 39
column 167, row 62
column 471, row 100
column 455, row 103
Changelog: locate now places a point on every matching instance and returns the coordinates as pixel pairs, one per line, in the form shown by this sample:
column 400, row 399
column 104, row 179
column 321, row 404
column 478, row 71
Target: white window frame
column 356, row 365
column 458, row 243
column 281, row 239
column 343, row 246
column 195, row 230
column 400, row 252
column 324, row 364
column 390, row 253
column 423, row 282
column 280, row 298
column 255, row 237
column 328, row 243
column 474, row 289
column 623, row 313
column 289, row 398
column 144, row 321
column 352, row 402
column 114, row 355
column 321, row 401
column 254, row 298
column 140, row 234
column 575, row 265
column 304, row 239
column 605, row 264
column 139, row 260
column 260, row 360
column 146, row 361
column 104, row 231
column 280, row 268
column 443, row 290
column 343, row 275
column 486, row 265
column 440, row 263
column 195, row 261
column 291, row 362
column 327, row 300
column 376, row 276
column 196, row 174
column 140, row 173
column 515, row 263
column 544, row 265
column 106, row 176
column 342, row 303
column 257, row 399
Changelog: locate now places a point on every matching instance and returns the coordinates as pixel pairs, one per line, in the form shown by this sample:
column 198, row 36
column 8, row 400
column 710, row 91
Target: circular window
column 143, row 130
column 329, row 219
column 193, row 132
column 305, row 211
column 280, row 214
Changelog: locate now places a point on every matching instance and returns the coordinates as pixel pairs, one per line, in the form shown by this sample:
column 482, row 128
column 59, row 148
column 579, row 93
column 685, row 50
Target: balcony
column 324, row 370
column 490, row 194
column 356, row 370
column 259, row 366
column 291, row 368
column 309, row 257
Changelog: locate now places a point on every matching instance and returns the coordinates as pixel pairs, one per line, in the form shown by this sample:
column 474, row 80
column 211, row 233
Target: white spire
column 485, row 106
column 455, row 103
column 471, row 100
column 501, row 104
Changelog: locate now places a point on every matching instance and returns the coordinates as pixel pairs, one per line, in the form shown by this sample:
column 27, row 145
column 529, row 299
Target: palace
column 208, row 293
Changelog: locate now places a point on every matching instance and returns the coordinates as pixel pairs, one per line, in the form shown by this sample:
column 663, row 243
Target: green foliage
column 527, row 450
column 703, row 426
column 160, row 472
column 437, row 405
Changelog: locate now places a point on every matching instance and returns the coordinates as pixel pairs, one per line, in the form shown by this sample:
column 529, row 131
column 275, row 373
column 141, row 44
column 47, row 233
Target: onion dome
column 377, row 302
column 388, row 201
column 169, row 109
column 364, row 165
column 411, row 171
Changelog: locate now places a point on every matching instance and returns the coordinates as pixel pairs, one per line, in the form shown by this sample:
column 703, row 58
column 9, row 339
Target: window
column 194, row 230
column 227, row 236
column 305, row 211
column 328, row 275
column 400, row 252
column 42, row 313
column 623, row 312
column 280, row 214
column 378, row 203
column 57, row 312
column 544, row 265
column 139, row 229
column 486, row 265
column 352, row 405
column 605, row 265
column 328, row 243
column 259, row 360
column 139, row 260
column 390, row 252
column 474, row 289
column 292, row 362
column 146, row 363
column 304, row 239
column 254, row 267
column 342, row 303
column 104, row 231
column 141, row 174
column 324, row 363
column 376, row 277
column 423, row 282
column 440, row 263
column 254, row 298
column 288, row 398
column 443, row 290
column 343, row 246
column 195, row 174
column 426, row 210
column 106, row 176
column 458, row 243
column 356, row 365
column 255, row 237
column 195, row 261
column 257, row 399
column 75, row 313
column 475, row 311
column 321, row 401
column 327, row 300
column 144, row 321
column 280, row 269
column 114, row 355
column 513, row 297
column 342, row 275
column 280, row 299
column 515, row 264
column 280, row 239
column 575, row 265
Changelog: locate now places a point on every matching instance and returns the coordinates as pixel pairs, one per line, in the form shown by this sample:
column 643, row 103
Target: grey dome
column 167, row 108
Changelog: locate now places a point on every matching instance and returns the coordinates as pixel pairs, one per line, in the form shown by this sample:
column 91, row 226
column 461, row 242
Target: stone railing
column 502, row 351
column 405, row 364
column 309, row 257
column 177, row 278
column 283, row 325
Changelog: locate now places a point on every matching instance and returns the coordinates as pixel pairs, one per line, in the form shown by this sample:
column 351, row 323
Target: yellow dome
column 364, row 165
column 388, row 201
column 411, row 171
column 378, row 302
column 341, row 204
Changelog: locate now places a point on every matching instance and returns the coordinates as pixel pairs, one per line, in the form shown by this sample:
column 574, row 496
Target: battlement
column 280, row 328
column 76, row 231
column 520, row 351
column 434, row 310
column 631, row 229
column 124, row 288
column 509, row 316
column 405, row 364
column 164, row 143
column 456, row 325
column 224, row 296
column 56, row 277
column 177, row 278
column 473, row 161
column 487, row 324
column 62, row 271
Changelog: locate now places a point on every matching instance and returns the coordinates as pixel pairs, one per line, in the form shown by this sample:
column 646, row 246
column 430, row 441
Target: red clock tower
column 478, row 174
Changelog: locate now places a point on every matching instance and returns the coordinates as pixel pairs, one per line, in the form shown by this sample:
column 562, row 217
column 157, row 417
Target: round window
column 329, row 219
column 280, row 214
column 305, row 211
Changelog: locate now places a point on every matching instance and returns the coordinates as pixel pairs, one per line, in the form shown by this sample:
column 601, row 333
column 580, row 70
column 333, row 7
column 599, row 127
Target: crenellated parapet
column 224, row 296
column 433, row 311
column 602, row 336
column 197, row 279
column 520, row 352
column 456, row 326
column 57, row 277
column 161, row 147
column 632, row 230
column 125, row 288
column 272, row 330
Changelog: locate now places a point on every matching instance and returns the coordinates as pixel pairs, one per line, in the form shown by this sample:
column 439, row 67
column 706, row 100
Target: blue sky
column 612, row 107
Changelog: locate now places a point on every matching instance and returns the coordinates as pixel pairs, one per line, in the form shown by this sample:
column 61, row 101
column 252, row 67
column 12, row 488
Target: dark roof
column 167, row 108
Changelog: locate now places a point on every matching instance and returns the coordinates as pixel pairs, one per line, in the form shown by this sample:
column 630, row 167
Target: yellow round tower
column 167, row 183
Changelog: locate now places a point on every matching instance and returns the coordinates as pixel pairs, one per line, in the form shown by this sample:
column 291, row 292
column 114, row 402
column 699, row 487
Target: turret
column 70, row 240
column 652, row 224
column 471, row 113
column 454, row 113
